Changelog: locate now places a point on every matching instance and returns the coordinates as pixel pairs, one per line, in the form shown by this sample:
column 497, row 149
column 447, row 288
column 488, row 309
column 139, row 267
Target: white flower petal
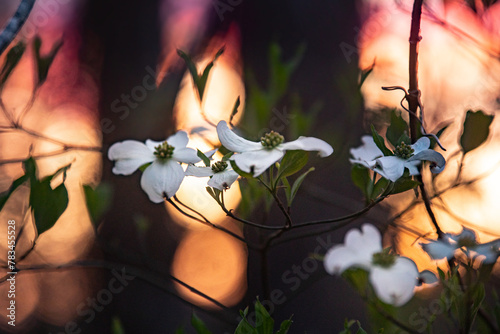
column 339, row 258
column 427, row 277
column 439, row 249
column 129, row 155
column 199, row 171
column 186, row 155
column 223, row 180
column 413, row 167
column 233, row 142
column 162, row 178
column 489, row 250
column 438, row 162
column 421, row 144
column 258, row 161
column 391, row 167
column 366, row 242
column 367, row 153
column 309, row 144
column 395, row 285
column 178, row 140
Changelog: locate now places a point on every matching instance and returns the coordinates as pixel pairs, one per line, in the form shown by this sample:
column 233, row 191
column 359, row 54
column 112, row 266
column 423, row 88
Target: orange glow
column 65, row 109
column 213, row 263
column 207, row 259
column 458, row 70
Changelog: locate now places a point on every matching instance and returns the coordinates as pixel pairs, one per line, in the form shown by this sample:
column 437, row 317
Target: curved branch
column 15, row 23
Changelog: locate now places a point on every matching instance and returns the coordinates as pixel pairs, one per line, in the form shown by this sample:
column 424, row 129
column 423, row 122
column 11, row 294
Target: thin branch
column 15, row 23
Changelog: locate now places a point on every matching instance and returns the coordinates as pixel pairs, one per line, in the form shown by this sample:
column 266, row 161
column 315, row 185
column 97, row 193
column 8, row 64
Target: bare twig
column 15, row 23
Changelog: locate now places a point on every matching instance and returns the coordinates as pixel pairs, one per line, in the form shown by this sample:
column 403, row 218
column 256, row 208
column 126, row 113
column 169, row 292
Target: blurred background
column 296, row 67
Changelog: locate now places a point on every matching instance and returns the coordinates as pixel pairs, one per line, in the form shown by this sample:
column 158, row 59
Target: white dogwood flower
column 465, row 241
column 222, row 176
column 256, row 157
column 164, row 175
column 405, row 157
column 392, row 277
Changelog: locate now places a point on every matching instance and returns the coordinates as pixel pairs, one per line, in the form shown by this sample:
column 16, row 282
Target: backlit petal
column 257, row 161
column 129, row 155
column 199, row 171
column 223, row 180
column 186, row 155
column 438, row 162
column 178, row 140
column 309, row 144
column 233, row 142
column 391, row 167
column 421, row 144
column 162, row 178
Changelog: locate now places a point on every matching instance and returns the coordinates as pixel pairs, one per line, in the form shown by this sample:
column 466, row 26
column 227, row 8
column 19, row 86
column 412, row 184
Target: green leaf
column 13, row 57
column 202, row 81
column 47, row 204
column 365, row 74
column 199, row 325
column 397, row 129
column 476, row 130
column 235, row 110
column 264, row 323
column 191, row 67
column 379, row 141
column 239, row 171
column 143, row 167
column 285, row 326
column 203, row 157
column 6, row 195
column 98, row 200
column 296, row 185
column 380, row 188
column 44, row 62
column 403, row 184
column 227, row 156
column 292, row 162
column 117, row 327
column 360, row 176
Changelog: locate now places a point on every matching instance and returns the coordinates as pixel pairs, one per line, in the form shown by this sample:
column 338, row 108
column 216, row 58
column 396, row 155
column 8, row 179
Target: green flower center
column 271, row 139
column 404, row 151
column 384, row 258
column 164, row 151
column 219, row 166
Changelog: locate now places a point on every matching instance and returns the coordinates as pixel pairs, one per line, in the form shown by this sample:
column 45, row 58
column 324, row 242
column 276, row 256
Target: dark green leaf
column 397, row 129
column 44, row 62
column 380, row 188
column 191, row 67
column 379, row 141
column 202, row 81
column 199, row 325
column 264, row 323
column 235, row 110
column 6, row 195
column 13, row 57
column 117, row 327
column 239, row 171
column 404, row 184
column 292, row 162
column 203, row 157
column 476, row 130
column 285, row 326
column 143, row 167
column 296, row 185
column 227, row 156
column 98, row 201
column 360, row 176
column 365, row 73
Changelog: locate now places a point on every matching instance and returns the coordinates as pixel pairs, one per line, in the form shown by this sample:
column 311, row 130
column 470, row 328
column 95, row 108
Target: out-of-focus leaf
column 239, row 171
column 202, row 81
column 13, row 57
column 199, row 325
column 235, row 110
column 6, row 195
column 476, row 130
column 380, row 188
column 365, row 74
column 379, row 141
column 117, row 327
column 285, row 326
column 404, row 184
column 360, row 176
column 397, row 129
column 98, row 200
column 143, row 167
column 44, row 62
